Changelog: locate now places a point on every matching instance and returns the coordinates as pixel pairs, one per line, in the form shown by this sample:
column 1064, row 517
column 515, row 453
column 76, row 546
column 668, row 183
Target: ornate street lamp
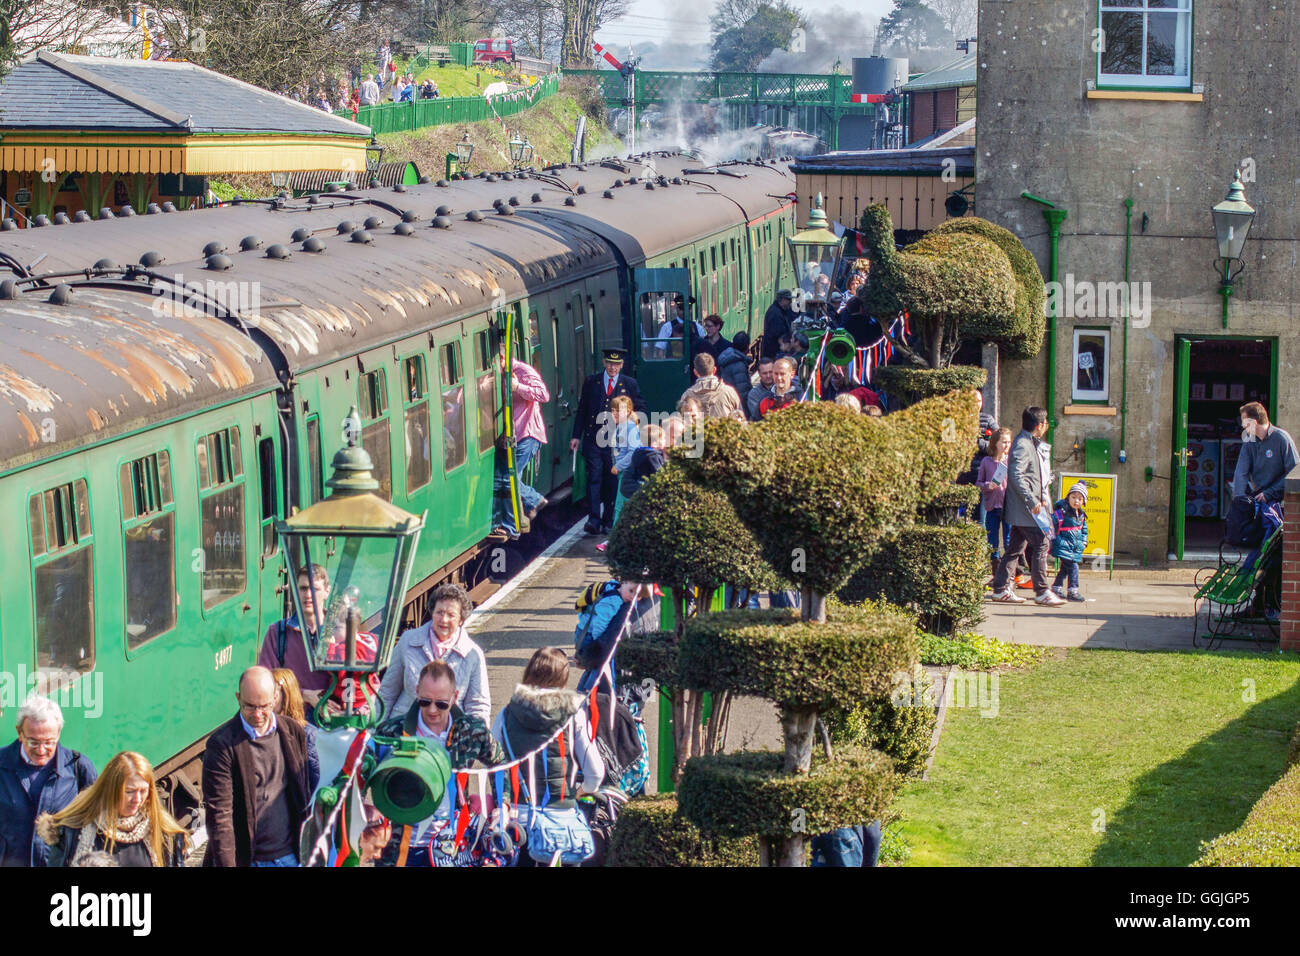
column 1232, row 221
column 364, row 547
column 521, row 151
column 459, row 160
column 815, row 252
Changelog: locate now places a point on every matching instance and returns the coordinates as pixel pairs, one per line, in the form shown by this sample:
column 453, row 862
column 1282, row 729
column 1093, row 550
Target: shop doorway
column 1213, row 377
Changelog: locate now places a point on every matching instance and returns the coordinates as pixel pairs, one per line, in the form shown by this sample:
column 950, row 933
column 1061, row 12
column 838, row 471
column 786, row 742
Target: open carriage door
column 661, row 349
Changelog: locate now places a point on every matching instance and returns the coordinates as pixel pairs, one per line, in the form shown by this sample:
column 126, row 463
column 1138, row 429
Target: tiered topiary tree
column 816, row 490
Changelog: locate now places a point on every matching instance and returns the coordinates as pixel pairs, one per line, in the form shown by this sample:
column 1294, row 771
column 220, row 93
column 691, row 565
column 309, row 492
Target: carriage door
column 268, row 445
column 660, row 357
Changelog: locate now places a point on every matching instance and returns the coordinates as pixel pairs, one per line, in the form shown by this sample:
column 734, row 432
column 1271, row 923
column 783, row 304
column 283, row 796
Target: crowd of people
column 386, row 84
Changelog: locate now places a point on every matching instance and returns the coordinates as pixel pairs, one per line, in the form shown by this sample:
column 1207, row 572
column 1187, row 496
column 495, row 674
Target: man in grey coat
column 1028, row 501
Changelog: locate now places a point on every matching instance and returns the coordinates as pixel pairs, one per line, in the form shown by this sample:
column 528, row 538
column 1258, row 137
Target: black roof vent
column 346, row 227
column 608, row 194
column 632, row 180
column 491, row 178
column 151, row 259
column 41, row 220
column 372, row 222
column 62, row 294
column 314, row 244
column 375, row 184
column 127, row 210
column 404, row 229
column 362, row 236
column 169, row 206
column 105, row 265
column 425, row 180
column 570, row 201
column 301, row 234
column 153, row 209
column 61, row 219
column 7, row 224
column 81, row 216
column 410, row 215
column 106, row 213
column 442, row 183
column 218, row 262
column 313, row 200
column 513, row 200
column 399, row 188
column 277, row 251
column 441, row 222
column 537, row 197
column 333, row 188
column 250, row 243
column 581, row 190
column 504, row 210
column 442, row 211
column 8, row 289
column 474, row 216
column 213, row 248
column 649, row 185
column 617, row 183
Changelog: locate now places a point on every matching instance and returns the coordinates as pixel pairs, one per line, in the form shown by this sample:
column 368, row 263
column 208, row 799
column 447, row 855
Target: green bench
column 1233, row 599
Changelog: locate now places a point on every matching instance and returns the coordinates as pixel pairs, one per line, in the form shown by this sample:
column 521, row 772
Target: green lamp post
column 1232, row 221
column 815, row 252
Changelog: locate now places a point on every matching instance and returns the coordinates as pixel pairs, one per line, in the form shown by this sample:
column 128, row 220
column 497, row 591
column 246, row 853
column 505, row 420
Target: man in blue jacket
column 37, row 775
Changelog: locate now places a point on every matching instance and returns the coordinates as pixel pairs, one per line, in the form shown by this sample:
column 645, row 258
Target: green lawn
column 1162, row 750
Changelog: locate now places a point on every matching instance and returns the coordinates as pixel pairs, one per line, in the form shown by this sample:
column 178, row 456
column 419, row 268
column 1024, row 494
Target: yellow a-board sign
column 1100, row 510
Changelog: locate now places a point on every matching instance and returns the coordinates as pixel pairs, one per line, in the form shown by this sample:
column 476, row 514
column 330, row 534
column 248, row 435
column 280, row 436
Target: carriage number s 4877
column 224, row 656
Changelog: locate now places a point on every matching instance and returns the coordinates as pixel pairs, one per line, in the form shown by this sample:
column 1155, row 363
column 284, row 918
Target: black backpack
column 1245, row 527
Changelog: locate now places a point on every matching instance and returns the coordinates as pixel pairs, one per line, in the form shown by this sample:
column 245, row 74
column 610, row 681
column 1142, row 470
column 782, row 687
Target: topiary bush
column 774, row 655
column 945, row 507
column 1025, row 337
column 911, row 384
column 745, row 794
column 1270, row 835
column 901, row 726
column 652, row 832
column 650, row 656
column 938, row 570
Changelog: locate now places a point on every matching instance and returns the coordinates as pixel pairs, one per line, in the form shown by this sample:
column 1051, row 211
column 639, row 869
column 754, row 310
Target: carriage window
column 662, row 330
column 269, row 493
column 487, row 411
column 315, row 482
column 482, row 351
column 534, row 331
column 149, row 553
column 453, row 408
column 62, row 582
column 419, row 466
column 221, row 516
column 374, row 429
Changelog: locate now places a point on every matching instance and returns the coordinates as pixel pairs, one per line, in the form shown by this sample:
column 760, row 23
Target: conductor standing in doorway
column 591, row 430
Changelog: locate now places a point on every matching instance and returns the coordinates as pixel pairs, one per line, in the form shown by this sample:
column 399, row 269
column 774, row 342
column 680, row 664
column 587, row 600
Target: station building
column 1130, row 120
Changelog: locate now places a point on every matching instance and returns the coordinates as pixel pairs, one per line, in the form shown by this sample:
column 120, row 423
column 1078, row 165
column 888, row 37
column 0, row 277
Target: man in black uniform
column 588, row 425
column 778, row 322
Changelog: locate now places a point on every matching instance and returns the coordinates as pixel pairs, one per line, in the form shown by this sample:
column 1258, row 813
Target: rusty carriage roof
column 364, row 268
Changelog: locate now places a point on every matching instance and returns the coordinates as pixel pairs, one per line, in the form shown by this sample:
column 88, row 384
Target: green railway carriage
column 155, row 422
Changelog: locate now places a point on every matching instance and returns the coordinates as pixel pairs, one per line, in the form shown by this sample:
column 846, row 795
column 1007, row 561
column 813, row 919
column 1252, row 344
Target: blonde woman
column 289, row 703
column 119, row 814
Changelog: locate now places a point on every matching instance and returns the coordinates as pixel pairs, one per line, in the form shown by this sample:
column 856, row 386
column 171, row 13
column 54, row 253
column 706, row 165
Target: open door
column 1178, row 465
column 663, row 334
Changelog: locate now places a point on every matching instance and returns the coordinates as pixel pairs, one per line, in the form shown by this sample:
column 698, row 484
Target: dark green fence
column 398, row 117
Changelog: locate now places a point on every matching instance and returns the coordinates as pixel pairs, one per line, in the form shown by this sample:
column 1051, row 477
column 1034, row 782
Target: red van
column 494, row 51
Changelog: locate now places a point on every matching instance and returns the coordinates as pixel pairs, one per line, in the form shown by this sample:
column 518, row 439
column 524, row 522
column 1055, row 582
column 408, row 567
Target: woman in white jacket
column 442, row 637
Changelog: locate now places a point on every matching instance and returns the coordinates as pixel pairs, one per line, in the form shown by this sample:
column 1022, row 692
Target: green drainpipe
column 1054, row 216
column 1123, row 399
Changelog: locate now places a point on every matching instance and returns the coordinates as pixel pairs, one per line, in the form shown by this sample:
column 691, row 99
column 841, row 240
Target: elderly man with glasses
column 435, row 715
column 255, row 786
column 37, row 775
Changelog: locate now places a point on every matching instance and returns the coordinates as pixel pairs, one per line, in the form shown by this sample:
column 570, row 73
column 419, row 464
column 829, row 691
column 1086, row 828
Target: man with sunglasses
column 435, row 715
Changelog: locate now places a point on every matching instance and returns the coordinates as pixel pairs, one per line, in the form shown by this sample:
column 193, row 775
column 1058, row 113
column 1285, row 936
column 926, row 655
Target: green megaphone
column 411, row 782
column 840, row 349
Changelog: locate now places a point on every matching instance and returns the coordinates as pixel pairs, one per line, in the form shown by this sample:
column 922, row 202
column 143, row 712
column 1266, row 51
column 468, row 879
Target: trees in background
column 914, row 25
column 746, row 31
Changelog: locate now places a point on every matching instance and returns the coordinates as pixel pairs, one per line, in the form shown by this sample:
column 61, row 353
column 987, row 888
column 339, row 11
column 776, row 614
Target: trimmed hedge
column 1030, row 322
column 653, row 656
column 651, row 831
column 939, row 570
column 773, row 655
column 911, row 384
column 943, row 508
column 745, row 794
column 901, row 731
column 677, row 532
column 1270, row 836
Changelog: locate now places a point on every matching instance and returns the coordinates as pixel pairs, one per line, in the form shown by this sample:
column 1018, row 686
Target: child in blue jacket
column 1070, row 529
